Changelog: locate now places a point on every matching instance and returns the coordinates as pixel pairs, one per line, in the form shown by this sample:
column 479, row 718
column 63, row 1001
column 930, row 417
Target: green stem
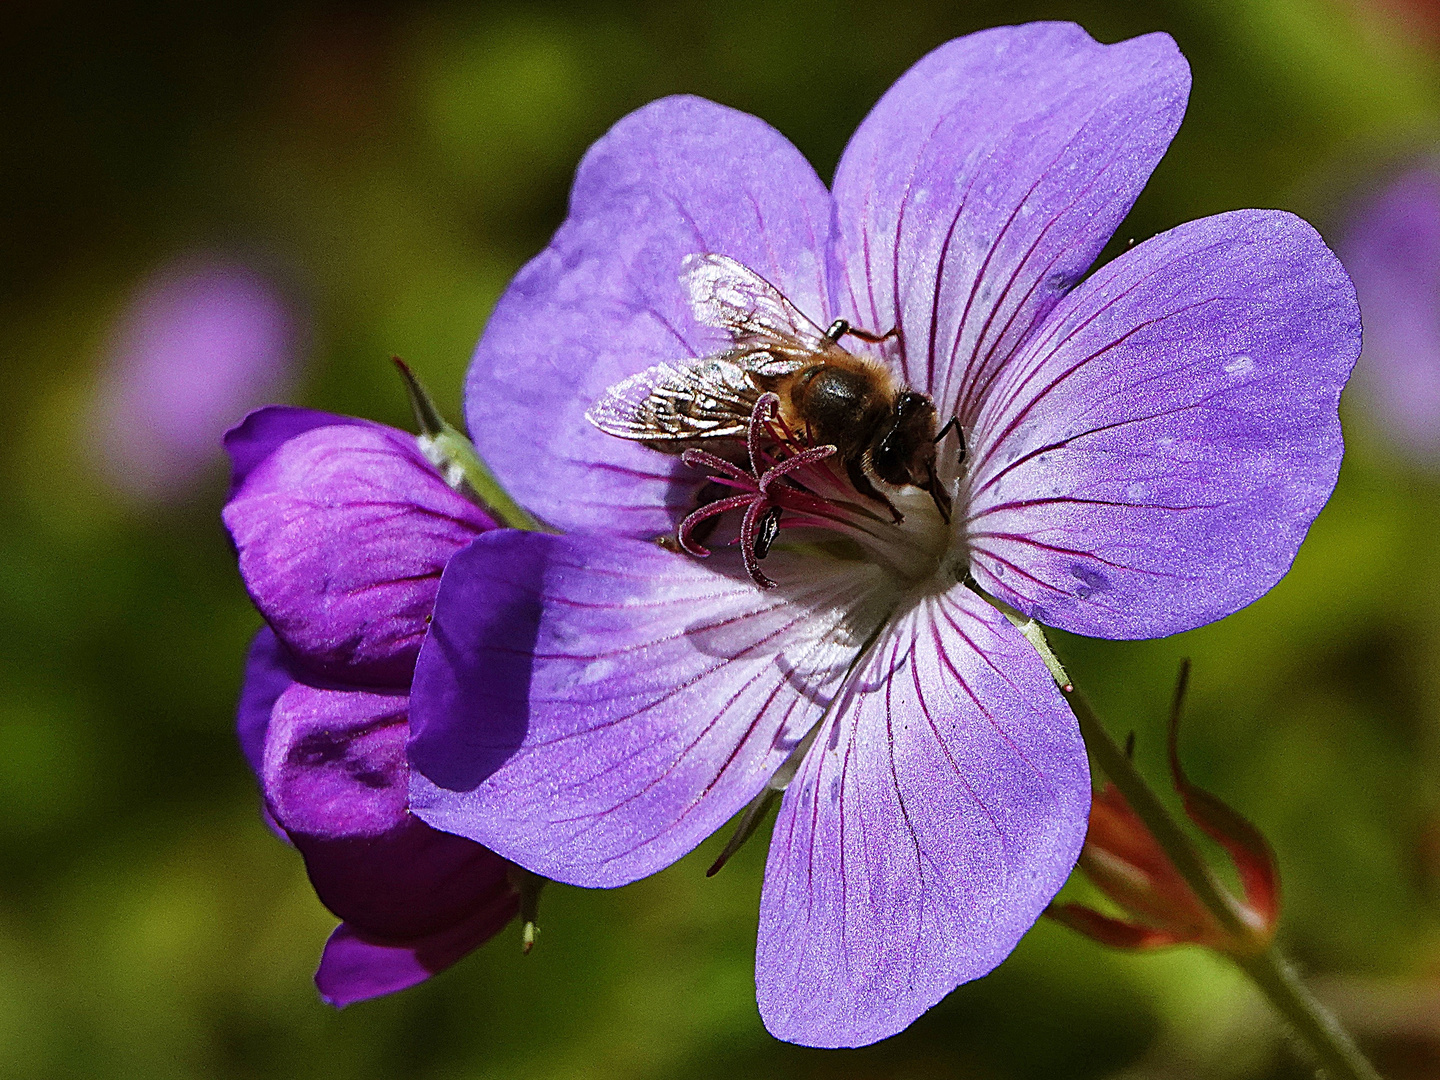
column 1320, row 1031
column 1311, row 1021
column 451, row 446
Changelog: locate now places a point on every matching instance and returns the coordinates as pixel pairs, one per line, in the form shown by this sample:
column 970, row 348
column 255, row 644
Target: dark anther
column 769, row 528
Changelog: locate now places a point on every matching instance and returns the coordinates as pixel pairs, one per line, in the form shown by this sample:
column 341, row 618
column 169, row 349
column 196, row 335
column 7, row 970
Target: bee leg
column 953, row 424
column 856, row 471
column 938, row 493
column 863, row 335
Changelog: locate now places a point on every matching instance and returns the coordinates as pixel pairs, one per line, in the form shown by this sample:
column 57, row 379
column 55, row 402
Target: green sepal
column 1034, row 633
column 528, row 885
column 448, row 449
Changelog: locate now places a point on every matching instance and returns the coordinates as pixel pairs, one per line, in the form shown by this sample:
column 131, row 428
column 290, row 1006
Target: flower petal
column 334, row 762
column 1152, row 459
column 266, row 678
column 933, row 820
column 986, row 181
column 604, row 301
column 342, row 533
column 593, row 708
column 412, row 884
column 354, row 968
column 336, row 779
column 262, row 432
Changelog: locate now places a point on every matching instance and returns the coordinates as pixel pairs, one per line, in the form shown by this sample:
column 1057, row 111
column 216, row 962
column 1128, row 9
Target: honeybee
column 828, row 395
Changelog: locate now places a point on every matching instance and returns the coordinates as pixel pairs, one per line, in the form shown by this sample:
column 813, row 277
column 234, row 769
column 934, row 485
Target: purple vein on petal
column 1019, row 417
column 865, row 247
column 947, row 609
column 944, row 746
column 935, row 298
column 1077, row 552
column 1060, row 331
column 898, row 239
column 895, row 784
column 726, row 707
column 985, row 372
column 965, row 371
column 968, row 372
column 597, row 817
column 1059, row 500
column 1009, row 467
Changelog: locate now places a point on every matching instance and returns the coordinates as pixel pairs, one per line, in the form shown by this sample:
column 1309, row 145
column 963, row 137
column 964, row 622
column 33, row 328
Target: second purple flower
column 342, row 528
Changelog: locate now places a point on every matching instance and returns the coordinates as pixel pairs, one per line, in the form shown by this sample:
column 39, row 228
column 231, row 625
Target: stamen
column 760, row 497
column 749, row 531
column 709, row 510
column 791, row 486
column 767, row 408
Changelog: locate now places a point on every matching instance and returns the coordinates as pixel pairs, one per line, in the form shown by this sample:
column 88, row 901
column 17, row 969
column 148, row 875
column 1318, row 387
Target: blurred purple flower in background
column 342, row 528
column 1146, row 453
column 202, row 340
column 1391, row 247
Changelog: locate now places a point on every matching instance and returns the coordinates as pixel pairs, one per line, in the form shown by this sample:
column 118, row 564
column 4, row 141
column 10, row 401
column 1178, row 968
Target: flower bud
column 1125, row 861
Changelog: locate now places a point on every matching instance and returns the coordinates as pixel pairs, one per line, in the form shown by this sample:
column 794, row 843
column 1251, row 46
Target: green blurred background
column 395, row 164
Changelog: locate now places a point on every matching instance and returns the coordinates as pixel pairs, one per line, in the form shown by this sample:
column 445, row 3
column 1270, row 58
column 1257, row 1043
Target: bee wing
column 715, row 396
column 676, row 402
column 727, row 294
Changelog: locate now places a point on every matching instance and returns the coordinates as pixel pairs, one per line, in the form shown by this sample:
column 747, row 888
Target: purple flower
column 1146, row 449
column 1391, row 247
column 342, row 529
column 202, row 341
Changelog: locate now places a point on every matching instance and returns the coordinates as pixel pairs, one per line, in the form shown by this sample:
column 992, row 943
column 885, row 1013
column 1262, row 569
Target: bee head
column 905, row 450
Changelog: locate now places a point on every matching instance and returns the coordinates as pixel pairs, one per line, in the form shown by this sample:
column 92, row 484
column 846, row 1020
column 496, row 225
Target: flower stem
column 1320, row 1031
column 1166, row 830
column 1311, row 1021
